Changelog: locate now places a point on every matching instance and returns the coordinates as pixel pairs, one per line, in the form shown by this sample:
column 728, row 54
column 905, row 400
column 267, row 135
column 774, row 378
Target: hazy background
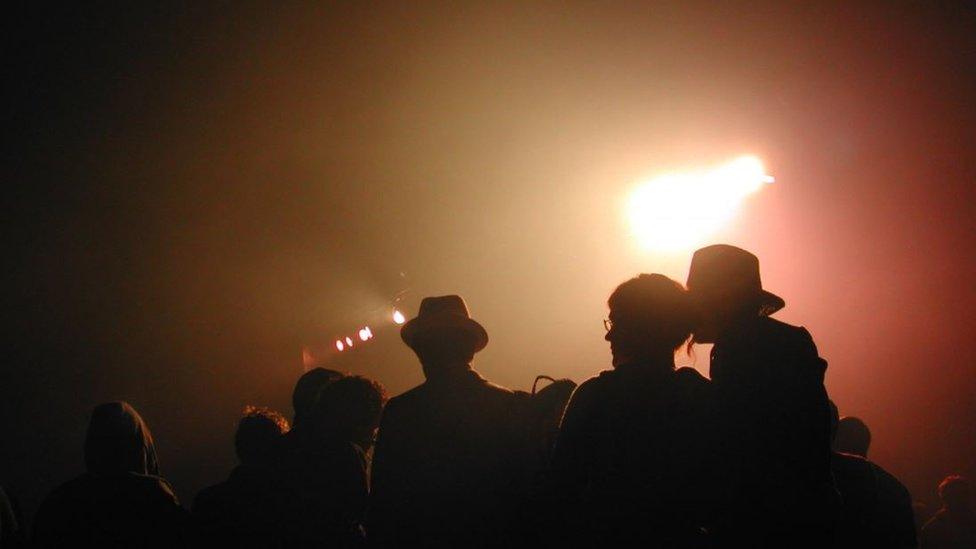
column 192, row 194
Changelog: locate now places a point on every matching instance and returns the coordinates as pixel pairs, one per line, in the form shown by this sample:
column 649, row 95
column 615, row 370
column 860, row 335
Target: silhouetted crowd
column 644, row 454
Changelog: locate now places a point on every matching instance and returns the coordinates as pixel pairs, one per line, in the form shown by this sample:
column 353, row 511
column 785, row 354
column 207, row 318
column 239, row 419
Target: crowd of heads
column 644, row 453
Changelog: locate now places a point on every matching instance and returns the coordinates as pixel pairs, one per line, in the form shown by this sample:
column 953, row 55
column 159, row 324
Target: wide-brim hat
column 442, row 314
column 731, row 268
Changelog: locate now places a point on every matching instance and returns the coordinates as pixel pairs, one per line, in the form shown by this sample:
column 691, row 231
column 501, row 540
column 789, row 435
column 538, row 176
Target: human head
column 258, row 433
column 307, row 387
column 349, row 409
column 853, row 436
column 118, row 441
column 443, row 335
column 650, row 318
column 954, row 491
column 725, row 288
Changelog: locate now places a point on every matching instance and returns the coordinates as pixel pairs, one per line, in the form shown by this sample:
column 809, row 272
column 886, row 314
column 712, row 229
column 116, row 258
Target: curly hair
column 258, row 431
column 350, row 408
column 656, row 305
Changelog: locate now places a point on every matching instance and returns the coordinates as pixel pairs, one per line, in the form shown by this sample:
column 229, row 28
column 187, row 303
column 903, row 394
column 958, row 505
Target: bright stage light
column 679, row 211
column 364, row 334
column 398, row 317
column 348, row 342
column 340, row 345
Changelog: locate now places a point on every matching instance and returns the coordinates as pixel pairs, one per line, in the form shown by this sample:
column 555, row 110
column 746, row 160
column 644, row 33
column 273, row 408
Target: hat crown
column 724, row 265
column 446, row 312
column 443, row 305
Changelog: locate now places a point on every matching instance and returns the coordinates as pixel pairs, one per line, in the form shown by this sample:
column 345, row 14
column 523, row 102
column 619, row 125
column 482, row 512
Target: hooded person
column 448, row 463
column 121, row 501
column 770, row 398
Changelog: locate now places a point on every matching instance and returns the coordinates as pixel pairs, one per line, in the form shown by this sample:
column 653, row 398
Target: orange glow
column 680, row 211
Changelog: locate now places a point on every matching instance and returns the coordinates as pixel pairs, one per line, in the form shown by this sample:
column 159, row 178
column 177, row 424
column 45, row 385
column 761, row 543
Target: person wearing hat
column 772, row 408
column 448, row 464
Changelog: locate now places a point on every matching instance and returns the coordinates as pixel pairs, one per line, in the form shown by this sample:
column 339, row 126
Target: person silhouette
column 448, row 464
column 121, row 501
column 772, row 407
column 954, row 526
column 876, row 509
column 241, row 511
column 307, row 390
column 852, row 437
column 629, row 461
column 322, row 478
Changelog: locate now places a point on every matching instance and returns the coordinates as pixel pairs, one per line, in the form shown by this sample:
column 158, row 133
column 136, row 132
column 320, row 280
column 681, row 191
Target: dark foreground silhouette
column 450, row 466
column 629, row 467
column 121, row 501
column 644, row 454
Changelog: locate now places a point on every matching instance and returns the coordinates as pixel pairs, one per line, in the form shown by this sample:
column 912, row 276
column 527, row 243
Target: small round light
column 398, row 317
column 349, row 341
column 340, row 345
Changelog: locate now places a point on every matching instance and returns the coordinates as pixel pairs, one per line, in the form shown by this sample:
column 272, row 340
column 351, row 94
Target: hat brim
column 769, row 303
column 422, row 325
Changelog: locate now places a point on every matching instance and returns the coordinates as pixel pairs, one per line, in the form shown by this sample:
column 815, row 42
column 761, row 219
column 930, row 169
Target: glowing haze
column 679, row 211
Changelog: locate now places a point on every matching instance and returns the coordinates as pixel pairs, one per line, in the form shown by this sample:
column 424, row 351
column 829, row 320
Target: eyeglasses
column 608, row 324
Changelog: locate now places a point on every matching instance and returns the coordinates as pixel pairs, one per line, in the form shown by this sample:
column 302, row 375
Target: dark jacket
column 241, row 511
column 629, row 464
column 775, row 421
column 876, row 509
column 121, row 501
column 322, row 490
column 448, row 465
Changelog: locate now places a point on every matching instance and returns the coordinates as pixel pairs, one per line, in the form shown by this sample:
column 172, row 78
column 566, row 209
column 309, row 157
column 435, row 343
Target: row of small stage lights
column 365, row 334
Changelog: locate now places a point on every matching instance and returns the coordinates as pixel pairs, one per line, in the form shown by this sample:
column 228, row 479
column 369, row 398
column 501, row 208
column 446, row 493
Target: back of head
column 853, row 436
column 445, row 346
column 349, row 409
column 118, row 441
column 656, row 310
column 954, row 491
column 258, row 433
column 308, row 387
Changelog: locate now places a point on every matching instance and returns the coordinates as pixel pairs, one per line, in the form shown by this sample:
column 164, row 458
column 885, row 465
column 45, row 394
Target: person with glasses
column 629, row 462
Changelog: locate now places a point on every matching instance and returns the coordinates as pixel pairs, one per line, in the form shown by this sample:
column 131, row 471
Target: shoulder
column 889, row 484
column 593, row 388
column 154, row 485
column 72, row 489
column 405, row 399
column 787, row 333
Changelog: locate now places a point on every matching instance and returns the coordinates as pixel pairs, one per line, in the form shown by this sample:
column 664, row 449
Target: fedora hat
column 729, row 268
column 443, row 313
